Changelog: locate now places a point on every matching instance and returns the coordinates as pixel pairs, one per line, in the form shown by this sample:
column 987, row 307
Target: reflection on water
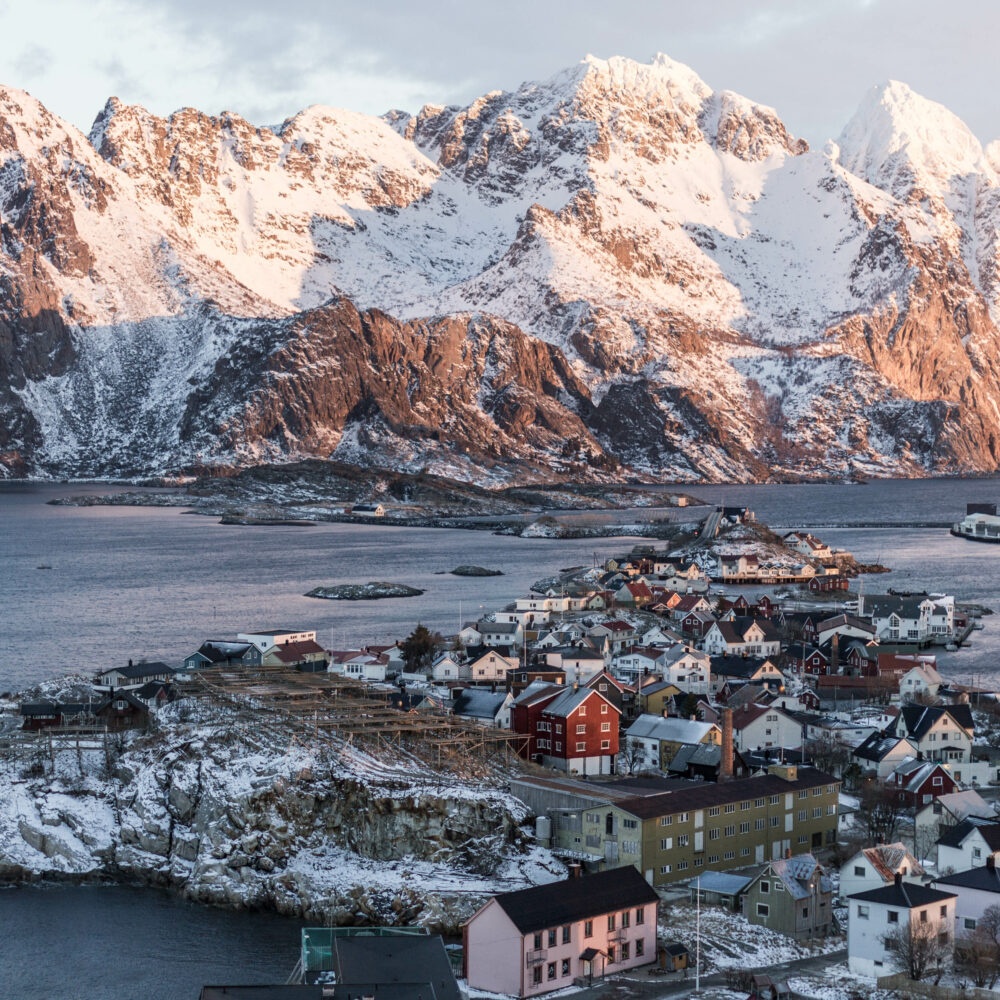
column 151, row 583
column 113, row 943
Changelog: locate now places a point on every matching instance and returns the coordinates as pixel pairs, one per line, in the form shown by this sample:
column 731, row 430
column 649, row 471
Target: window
column 803, row 813
column 566, row 934
column 625, row 951
column 763, row 910
column 729, row 855
column 804, row 793
column 580, row 747
column 582, row 710
column 893, row 916
column 605, row 727
column 666, row 820
column 713, row 859
column 775, row 799
column 551, row 970
column 730, row 807
column 564, row 970
column 758, row 824
column 745, row 827
column 779, row 886
column 775, row 820
column 604, row 709
column 640, row 914
column 538, row 941
column 605, row 744
column 817, row 812
column 588, row 928
column 683, row 818
column 923, row 916
column 744, row 852
column 667, row 844
column 758, row 803
column 714, row 811
column 805, row 911
column 611, row 955
column 611, row 921
column 630, row 824
column 765, row 886
column 664, row 869
column 863, row 912
column 730, row 831
column 626, row 918
column 699, row 862
column 713, row 834
column 552, row 938
column 944, row 910
column 682, row 866
column 536, row 975
column 683, row 840
column 580, row 730
column 969, row 924
column 745, row 805
column 640, row 948
column 558, row 746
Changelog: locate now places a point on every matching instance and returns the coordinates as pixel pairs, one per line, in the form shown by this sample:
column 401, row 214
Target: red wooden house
column 920, row 781
column 577, row 732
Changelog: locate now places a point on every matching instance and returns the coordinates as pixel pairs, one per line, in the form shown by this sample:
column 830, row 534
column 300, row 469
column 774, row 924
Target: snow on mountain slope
column 701, row 295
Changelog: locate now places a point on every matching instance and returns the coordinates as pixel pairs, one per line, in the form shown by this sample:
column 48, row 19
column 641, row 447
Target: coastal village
column 737, row 729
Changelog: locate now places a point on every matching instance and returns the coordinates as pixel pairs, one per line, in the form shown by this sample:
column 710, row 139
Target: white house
column 967, row 845
column 977, row 889
column 882, row 753
column 877, row 912
column 923, row 680
column 742, row 637
column 277, row 637
column 446, row 668
column 541, row 939
column 874, row 867
column 757, row 727
column 658, row 735
column 690, row 669
column 491, row 667
column 940, row 732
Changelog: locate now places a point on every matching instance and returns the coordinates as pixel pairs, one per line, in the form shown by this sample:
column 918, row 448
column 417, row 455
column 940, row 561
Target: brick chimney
column 726, row 763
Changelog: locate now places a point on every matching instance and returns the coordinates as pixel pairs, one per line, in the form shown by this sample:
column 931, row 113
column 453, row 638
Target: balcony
column 536, row 957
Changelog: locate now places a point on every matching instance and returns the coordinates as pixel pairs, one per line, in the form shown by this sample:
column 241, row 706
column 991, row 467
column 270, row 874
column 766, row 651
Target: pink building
column 537, row 940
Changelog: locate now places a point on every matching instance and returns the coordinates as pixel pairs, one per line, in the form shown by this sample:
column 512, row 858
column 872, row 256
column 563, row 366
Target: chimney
column 898, row 878
column 575, row 870
column 991, row 862
column 726, row 762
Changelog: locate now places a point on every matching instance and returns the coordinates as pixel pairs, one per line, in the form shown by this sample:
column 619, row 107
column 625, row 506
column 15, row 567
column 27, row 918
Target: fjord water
column 147, row 582
column 117, row 943
column 152, row 583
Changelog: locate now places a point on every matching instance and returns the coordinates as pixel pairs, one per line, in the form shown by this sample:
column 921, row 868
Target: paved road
column 645, row 987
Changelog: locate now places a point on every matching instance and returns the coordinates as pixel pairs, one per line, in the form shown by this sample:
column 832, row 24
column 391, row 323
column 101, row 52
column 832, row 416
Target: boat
column 980, row 524
column 951, row 647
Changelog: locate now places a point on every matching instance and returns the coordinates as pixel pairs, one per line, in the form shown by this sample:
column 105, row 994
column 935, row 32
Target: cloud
column 811, row 61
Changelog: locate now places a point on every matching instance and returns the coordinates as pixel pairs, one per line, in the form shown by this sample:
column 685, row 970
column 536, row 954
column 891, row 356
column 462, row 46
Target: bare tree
column 632, row 756
column 921, row 947
column 828, row 755
column 880, row 808
column 977, row 954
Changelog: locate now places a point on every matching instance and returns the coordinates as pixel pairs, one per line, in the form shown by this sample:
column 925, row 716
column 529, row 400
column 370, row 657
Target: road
column 642, row 986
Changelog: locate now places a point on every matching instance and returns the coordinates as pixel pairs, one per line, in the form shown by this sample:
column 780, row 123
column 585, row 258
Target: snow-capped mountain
column 616, row 267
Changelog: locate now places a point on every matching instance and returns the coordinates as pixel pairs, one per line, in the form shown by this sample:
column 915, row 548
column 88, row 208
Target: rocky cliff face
column 237, row 819
column 615, row 269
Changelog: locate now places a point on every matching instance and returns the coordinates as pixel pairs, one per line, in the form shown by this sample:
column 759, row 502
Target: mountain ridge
column 671, row 284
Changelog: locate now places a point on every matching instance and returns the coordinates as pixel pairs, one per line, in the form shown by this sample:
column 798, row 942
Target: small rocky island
column 371, row 591
column 475, row 571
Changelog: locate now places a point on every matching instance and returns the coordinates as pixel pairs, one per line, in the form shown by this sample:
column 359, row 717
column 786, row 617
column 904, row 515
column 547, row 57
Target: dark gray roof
column 952, row 836
column 576, row 899
column 702, row 794
column 918, row 719
column 418, row 961
column 905, row 895
column 986, row 879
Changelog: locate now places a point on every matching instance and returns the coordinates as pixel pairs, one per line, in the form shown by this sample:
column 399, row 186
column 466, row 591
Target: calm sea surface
column 145, row 582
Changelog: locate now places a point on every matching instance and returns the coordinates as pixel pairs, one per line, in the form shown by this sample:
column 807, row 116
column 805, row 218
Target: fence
column 902, row 984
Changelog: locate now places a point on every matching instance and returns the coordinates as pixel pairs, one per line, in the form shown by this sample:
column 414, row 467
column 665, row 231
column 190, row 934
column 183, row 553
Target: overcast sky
column 812, row 60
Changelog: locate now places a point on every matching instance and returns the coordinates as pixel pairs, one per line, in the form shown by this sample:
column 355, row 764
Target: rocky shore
column 231, row 809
